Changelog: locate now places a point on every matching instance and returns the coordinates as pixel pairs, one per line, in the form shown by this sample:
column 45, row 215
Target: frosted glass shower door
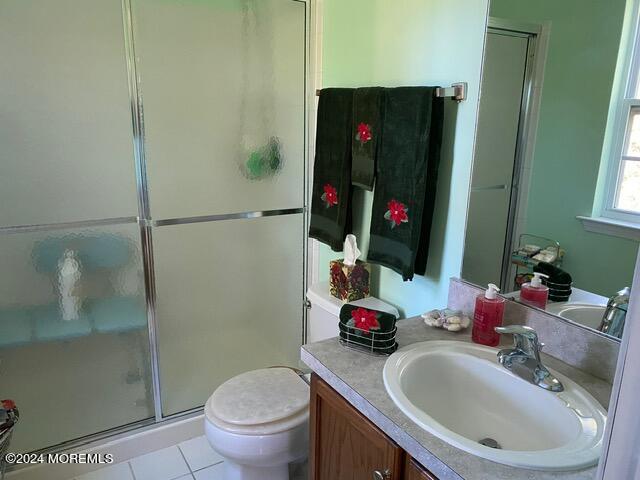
column 223, row 86
column 229, row 300
column 65, row 114
column 75, row 361
column 74, row 343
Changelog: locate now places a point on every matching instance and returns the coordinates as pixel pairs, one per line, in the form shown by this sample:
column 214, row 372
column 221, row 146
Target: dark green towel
column 406, row 179
column 331, row 194
column 368, row 327
column 367, row 125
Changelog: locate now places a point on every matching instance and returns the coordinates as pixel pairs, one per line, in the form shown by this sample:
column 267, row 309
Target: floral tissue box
column 349, row 283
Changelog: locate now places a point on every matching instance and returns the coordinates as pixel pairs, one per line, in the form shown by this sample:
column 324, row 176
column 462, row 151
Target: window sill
column 609, row 226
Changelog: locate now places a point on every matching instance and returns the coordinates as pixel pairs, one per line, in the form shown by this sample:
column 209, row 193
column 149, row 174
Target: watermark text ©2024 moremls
column 34, row 458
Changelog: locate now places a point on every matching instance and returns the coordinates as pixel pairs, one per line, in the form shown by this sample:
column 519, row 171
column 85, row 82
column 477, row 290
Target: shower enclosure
column 152, row 193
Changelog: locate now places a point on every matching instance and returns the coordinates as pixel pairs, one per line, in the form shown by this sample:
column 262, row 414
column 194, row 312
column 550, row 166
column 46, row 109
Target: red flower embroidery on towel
column 330, row 196
column 364, row 133
column 396, row 213
column 365, row 319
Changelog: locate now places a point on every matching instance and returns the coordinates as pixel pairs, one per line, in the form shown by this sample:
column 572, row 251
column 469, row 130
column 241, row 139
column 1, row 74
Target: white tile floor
column 190, row 460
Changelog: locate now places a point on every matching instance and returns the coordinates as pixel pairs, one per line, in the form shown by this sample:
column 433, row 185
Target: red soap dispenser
column 488, row 315
column 534, row 293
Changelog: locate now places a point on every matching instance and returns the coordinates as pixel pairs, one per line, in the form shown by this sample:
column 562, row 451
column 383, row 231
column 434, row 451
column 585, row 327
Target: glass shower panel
column 65, row 120
column 223, row 83
column 229, row 300
column 74, row 349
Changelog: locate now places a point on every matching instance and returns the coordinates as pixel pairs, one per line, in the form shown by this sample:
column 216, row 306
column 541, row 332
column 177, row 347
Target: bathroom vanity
column 358, row 432
column 340, row 432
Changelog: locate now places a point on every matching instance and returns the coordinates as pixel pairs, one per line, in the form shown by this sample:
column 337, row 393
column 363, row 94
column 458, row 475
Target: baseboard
column 123, row 447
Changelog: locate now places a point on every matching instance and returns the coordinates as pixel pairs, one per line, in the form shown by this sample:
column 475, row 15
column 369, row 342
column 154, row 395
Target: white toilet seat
column 260, row 402
column 264, row 429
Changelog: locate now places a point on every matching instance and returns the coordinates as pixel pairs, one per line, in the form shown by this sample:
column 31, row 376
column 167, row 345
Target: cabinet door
column 344, row 444
column 414, row 471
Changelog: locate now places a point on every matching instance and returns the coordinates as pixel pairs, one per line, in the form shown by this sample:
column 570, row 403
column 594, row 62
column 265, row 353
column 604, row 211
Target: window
column 627, row 191
column 622, row 193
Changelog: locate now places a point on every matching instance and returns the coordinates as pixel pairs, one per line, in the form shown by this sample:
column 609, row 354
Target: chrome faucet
column 616, row 313
column 524, row 358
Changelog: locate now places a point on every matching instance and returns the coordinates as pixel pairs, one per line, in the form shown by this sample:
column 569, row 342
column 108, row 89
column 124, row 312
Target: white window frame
column 623, row 108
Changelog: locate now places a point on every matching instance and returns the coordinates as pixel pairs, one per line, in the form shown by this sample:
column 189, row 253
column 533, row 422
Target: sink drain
column 490, row 442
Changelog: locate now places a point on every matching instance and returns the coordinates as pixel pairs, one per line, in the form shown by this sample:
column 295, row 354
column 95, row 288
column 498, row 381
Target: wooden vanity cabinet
column 414, row 471
column 345, row 445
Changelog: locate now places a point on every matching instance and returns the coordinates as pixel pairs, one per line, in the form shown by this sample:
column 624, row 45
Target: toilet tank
column 323, row 316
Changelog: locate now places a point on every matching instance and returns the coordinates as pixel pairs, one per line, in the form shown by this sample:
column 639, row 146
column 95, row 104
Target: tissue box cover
column 349, row 283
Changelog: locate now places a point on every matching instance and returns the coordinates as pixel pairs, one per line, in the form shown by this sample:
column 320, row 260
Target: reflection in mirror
column 556, row 179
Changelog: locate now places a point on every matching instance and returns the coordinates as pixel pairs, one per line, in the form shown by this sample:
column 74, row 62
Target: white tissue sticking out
column 350, row 251
column 450, row 320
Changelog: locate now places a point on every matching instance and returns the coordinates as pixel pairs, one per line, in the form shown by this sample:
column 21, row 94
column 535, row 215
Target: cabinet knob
column 384, row 475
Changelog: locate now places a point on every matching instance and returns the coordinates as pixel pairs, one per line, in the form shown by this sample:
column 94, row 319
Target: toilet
column 259, row 420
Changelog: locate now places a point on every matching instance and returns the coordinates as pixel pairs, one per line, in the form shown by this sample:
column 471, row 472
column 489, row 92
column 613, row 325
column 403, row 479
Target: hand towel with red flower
column 331, row 194
column 367, row 124
column 368, row 328
column 406, row 179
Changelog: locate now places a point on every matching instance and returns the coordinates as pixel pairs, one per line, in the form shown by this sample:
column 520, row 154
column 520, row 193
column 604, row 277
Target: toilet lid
column 260, row 396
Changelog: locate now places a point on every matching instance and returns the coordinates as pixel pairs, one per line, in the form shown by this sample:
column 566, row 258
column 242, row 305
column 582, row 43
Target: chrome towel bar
column 457, row 92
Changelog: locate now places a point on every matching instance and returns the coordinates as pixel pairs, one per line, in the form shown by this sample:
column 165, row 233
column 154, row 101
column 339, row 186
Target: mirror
column 549, row 122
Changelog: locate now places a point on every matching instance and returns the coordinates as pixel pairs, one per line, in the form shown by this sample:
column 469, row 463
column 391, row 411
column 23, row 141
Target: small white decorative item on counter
column 451, row 320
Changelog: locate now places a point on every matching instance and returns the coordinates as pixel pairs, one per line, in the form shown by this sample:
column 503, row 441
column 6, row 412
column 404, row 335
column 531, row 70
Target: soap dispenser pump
column 488, row 315
column 534, row 293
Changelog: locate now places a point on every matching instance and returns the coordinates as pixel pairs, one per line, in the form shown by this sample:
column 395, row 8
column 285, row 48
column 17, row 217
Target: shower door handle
column 490, row 187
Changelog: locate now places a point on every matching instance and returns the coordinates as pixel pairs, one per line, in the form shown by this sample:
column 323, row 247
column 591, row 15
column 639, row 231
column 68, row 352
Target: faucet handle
column 525, row 338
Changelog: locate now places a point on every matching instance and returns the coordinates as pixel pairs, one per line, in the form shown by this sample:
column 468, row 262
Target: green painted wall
column 579, row 72
column 413, row 42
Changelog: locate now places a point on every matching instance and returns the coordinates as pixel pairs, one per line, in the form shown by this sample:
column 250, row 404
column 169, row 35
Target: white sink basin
column 460, row 393
column 583, row 313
